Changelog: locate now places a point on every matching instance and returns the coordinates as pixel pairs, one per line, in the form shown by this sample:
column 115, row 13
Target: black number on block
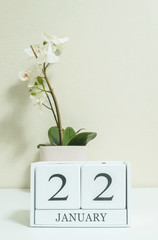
column 53, row 198
column 98, row 198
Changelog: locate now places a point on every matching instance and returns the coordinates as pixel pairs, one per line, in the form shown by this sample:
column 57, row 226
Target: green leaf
column 44, row 43
column 53, row 135
column 82, row 139
column 68, row 134
column 40, row 80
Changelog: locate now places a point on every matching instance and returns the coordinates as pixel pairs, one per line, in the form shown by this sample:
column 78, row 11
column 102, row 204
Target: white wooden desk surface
column 14, row 220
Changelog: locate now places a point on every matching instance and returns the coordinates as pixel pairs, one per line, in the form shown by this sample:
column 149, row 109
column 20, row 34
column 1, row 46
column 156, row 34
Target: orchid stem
column 46, row 106
column 57, row 109
column 54, row 99
column 52, row 108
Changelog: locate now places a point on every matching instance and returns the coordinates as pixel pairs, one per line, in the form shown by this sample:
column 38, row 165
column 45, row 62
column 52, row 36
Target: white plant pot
column 63, row 153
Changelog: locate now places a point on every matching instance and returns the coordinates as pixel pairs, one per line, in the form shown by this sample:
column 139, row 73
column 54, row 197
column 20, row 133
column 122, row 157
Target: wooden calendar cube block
column 103, row 186
column 58, row 186
column 80, row 194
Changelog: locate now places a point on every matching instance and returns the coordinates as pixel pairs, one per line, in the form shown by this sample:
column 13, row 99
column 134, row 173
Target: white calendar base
column 80, row 218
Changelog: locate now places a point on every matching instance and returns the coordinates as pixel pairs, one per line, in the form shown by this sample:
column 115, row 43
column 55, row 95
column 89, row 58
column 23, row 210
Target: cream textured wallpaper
column 106, row 81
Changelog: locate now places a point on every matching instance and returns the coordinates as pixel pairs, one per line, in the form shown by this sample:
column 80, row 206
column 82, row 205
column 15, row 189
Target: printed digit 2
column 98, row 198
column 53, row 198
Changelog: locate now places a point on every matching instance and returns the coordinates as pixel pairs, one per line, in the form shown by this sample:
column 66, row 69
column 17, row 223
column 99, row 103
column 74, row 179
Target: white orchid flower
column 54, row 39
column 38, row 99
column 56, row 42
column 24, row 75
column 38, row 50
column 44, row 53
column 47, row 55
column 30, row 74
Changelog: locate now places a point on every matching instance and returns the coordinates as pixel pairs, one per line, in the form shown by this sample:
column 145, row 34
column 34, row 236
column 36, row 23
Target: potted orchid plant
column 42, row 95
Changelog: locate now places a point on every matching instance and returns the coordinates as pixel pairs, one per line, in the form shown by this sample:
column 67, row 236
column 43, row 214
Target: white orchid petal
column 41, row 59
column 31, row 83
column 58, row 41
column 51, row 57
column 29, row 52
column 54, row 39
column 47, row 37
column 36, row 70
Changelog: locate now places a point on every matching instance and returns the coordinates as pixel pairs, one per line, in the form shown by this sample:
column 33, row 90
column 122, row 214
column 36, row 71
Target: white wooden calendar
column 80, row 194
